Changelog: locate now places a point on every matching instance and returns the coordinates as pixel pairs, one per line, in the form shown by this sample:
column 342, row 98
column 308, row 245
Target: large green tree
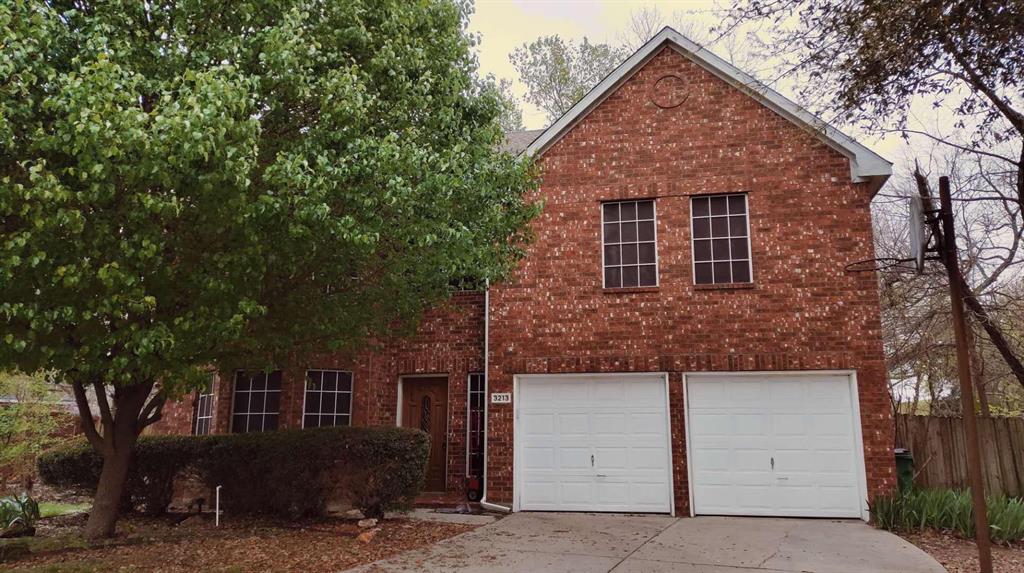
column 558, row 74
column 195, row 182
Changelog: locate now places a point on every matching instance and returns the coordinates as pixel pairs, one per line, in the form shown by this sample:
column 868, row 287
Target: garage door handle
column 602, row 475
column 773, row 463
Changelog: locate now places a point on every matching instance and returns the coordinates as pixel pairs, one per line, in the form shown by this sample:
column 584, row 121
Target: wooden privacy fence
column 940, row 456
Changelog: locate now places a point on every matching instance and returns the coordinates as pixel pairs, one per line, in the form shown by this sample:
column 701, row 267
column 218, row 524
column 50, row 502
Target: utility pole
column 951, row 258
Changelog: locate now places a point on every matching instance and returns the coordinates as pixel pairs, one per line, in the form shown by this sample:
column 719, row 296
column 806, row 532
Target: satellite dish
column 918, row 235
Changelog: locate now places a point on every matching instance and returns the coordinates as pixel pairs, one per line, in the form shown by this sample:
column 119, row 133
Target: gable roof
column 865, row 165
column 517, row 141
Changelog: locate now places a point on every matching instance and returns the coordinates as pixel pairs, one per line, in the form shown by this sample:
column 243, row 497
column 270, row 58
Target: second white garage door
column 774, row 444
column 593, row 443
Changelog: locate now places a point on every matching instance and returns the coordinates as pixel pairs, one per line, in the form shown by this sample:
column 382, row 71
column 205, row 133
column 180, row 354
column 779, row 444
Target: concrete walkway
column 585, row 543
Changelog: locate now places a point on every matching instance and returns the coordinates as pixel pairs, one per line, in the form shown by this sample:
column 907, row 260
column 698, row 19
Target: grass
column 948, row 510
column 48, row 509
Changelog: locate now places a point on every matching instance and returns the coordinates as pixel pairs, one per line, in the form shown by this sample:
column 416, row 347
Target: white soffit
column 865, row 165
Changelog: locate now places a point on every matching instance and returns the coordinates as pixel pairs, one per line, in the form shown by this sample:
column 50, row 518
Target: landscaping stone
column 367, row 536
column 364, row 523
column 193, row 521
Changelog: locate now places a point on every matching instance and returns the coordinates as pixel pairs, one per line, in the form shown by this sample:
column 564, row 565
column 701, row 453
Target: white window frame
column 199, row 417
column 654, row 218
column 469, row 413
column 350, row 392
column 693, row 239
column 264, row 412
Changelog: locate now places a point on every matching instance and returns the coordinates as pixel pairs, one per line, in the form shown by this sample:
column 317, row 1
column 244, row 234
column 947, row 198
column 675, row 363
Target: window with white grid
column 477, row 423
column 721, row 241
column 257, row 401
column 629, row 243
column 203, row 412
column 328, row 399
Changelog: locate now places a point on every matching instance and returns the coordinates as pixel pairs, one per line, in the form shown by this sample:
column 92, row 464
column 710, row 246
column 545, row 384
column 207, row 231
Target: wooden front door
column 425, row 406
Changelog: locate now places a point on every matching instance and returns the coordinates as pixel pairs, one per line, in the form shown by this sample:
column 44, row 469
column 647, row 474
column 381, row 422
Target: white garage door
column 593, row 443
column 771, row 444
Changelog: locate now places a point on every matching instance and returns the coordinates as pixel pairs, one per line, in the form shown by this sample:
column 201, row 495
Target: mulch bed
column 960, row 555
column 159, row 545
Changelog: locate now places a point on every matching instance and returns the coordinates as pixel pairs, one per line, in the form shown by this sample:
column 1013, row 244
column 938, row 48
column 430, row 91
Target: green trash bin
column 904, row 469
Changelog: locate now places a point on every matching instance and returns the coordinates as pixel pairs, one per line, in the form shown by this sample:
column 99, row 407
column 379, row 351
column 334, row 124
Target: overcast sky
column 507, row 24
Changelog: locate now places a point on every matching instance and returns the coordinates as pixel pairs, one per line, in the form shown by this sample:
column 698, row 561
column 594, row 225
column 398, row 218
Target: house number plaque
column 501, row 398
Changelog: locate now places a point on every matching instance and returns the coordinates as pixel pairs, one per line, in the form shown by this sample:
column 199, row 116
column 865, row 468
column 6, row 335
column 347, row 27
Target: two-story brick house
column 683, row 336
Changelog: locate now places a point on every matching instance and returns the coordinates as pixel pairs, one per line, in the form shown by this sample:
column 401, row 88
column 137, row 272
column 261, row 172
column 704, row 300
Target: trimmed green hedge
column 292, row 472
column 158, row 460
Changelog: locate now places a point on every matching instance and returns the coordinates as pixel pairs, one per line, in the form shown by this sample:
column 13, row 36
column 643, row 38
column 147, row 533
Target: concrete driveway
column 585, row 543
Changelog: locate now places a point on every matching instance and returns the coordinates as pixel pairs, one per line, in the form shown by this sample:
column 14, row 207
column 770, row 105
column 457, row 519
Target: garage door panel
column 710, row 459
column 574, row 458
column 541, row 424
column 619, row 420
column 790, row 425
column 609, row 393
column 611, row 458
column 796, row 455
column 832, row 424
column 643, row 458
column 838, row 498
column 577, row 424
column 576, row 492
column 750, row 459
column 538, row 458
column 711, row 424
column 649, row 394
column 614, row 423
column 646, row 423
column 568, row 393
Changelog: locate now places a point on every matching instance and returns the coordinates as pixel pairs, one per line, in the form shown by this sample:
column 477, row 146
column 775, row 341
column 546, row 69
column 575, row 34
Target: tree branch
column 101, row 398
column 152, row 412
column 995, row 334
column 85, row 416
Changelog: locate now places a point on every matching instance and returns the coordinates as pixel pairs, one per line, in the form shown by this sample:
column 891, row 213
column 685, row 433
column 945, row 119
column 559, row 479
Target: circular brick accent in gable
column 668, row 91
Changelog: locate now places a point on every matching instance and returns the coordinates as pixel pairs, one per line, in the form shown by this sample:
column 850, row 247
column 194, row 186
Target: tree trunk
column 106, row 505
column 121, row 428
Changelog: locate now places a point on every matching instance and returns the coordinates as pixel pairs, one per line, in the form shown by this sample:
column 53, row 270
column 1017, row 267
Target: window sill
column 630, row 290
column 725, row 286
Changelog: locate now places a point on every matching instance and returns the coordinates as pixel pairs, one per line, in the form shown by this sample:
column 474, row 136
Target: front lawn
column 159, row 544
column 53, row 509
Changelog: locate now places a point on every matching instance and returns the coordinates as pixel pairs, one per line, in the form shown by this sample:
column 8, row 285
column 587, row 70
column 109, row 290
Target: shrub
column 295, row 472
column 157, row 462
column 18, row 515
column 947, row 510
column 291, row 472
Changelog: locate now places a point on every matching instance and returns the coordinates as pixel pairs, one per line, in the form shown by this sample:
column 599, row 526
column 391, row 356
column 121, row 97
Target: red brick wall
column 449, row 341
column 807, row 221
column 176, row 417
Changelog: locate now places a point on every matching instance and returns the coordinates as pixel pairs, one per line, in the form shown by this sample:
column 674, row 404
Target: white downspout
column 487, row 422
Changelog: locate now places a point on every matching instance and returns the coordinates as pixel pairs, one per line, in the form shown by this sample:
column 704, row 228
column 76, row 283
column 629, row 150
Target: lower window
column 202, row 415
column 257, row 401
column 328, row 399
column 477, row 421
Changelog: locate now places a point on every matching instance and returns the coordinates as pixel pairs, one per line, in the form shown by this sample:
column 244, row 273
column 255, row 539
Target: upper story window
column 203, row 413
column 328, row 399
column 257, row 401
column 721, row 239
column 629, row 240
